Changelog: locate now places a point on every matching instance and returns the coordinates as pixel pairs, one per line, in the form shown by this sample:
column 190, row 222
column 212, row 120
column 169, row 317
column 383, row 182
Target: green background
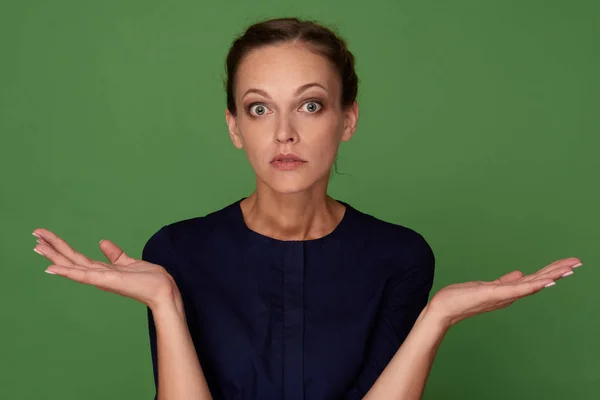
column 478, row 128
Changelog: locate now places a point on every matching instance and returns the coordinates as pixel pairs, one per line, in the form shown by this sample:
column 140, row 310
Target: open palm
column 463, row 300
column 123, row 275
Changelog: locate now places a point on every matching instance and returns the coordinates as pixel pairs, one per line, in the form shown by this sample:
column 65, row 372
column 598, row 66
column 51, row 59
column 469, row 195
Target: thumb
column 114, row 254
column 510, row 277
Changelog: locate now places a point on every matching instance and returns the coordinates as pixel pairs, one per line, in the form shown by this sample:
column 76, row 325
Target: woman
column 289, row 293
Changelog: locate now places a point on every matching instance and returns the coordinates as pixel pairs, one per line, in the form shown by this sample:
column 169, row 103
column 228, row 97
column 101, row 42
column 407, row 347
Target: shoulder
column 186, row 232
column 404, row 246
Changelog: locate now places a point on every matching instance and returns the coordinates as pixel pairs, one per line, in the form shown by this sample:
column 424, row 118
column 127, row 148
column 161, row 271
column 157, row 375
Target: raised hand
column 463, row 300
column 145, row 282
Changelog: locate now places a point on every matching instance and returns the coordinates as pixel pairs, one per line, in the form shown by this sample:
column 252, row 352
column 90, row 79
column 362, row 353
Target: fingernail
column 37, row 251
column 100, row 241
column 35, row 234
column 50, row 272
column 577, row 265
column 550, row 284
column 568, row 273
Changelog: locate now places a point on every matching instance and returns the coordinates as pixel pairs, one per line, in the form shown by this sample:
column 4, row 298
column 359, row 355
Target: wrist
column 167, row 301
column 436, row 318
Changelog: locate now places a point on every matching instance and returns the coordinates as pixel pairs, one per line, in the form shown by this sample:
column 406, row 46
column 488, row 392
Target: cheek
column 257, row 143
column 325, row 139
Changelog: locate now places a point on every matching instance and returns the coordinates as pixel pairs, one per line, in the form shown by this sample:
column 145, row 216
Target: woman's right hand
column 145, row 282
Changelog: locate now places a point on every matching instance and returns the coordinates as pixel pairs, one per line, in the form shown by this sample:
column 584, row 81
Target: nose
column 286, row 131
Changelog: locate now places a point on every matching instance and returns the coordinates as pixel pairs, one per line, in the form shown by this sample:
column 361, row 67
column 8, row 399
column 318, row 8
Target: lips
column 287, row 162
column 287, row 158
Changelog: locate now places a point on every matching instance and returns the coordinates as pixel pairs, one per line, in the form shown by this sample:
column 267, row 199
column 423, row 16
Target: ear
column 234, row 132
column 350, row 121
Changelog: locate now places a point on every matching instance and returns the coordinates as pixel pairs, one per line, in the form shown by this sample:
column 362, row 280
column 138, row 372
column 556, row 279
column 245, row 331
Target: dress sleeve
column 157, row 250
column 404, row 300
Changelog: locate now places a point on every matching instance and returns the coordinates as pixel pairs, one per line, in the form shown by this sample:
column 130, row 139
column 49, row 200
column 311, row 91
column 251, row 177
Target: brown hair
column 317, row 37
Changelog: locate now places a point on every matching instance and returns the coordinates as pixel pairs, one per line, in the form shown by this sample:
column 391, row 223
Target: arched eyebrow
column 298, row 91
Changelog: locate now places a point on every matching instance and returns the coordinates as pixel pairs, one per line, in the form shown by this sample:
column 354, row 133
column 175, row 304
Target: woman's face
column 288, row 102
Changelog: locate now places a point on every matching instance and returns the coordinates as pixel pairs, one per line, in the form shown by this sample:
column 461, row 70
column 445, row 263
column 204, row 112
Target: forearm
column 180, row 375
column 406, row 374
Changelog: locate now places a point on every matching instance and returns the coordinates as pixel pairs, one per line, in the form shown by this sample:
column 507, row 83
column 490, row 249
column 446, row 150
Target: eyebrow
column 298, row 91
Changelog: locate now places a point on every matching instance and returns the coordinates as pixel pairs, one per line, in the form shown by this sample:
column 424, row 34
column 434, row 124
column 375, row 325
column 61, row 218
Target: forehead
column 284, row 67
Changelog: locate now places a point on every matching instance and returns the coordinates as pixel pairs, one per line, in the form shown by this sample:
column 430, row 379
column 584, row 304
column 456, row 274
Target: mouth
column 287, row 162
column 287, row 158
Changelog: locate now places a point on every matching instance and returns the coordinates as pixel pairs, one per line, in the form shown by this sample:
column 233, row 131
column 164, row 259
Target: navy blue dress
column 273, row 319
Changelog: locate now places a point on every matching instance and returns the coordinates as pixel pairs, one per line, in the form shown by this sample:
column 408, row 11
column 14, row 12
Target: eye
column 312, row 106
column 257, row 109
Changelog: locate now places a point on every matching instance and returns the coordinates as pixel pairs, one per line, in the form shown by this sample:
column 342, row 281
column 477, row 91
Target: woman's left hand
column 463, row 300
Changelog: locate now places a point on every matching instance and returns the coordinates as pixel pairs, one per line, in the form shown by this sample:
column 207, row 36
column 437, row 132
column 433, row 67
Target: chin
column 288, row 185
column 292, row 181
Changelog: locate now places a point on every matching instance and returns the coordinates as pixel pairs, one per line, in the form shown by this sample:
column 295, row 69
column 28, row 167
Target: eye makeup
column 318, row 101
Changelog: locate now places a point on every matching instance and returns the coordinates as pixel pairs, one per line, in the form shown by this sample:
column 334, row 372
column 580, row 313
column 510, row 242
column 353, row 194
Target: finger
column 45, row 249
column 543, row 271
column 114, row 254
column 555, row 273
column 51, row 254
column 97, row 266
column 513, row 291
column 573, row 262
column 61, row 246
column 42, row 241
column 82, row 274
column 510, row 277
column 558, row 273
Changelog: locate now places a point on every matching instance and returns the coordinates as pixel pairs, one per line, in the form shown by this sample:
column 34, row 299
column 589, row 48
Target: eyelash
column 319, row 102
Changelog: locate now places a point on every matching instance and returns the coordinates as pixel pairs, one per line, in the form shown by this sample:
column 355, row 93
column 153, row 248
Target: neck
column 297, row 216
